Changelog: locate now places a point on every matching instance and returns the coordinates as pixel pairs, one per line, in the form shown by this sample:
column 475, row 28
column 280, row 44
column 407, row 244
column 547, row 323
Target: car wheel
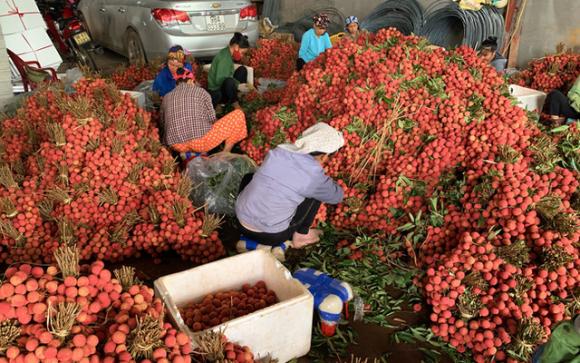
column 135, row 50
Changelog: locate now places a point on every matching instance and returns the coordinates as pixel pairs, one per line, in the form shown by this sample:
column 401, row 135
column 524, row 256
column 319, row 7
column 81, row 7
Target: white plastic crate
column 282, row 330
column 530, row 99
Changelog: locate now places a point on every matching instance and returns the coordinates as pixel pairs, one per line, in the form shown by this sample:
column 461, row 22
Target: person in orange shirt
column 190, row 124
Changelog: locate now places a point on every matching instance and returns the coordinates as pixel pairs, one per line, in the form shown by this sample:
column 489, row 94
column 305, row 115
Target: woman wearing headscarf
column 315, row 41
column 190, row 124
column 223, row 80
column 352, row 28
column 165, row 80
column 562, row 106
column 488, row 52
column 280, row 201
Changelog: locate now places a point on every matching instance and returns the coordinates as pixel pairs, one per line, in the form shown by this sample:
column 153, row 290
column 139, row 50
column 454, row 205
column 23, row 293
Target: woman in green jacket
column 223, row 81
column 562, row 108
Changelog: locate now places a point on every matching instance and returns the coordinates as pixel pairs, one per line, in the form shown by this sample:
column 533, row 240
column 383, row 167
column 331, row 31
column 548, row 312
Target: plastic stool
column 246, row 244
column 330, row 296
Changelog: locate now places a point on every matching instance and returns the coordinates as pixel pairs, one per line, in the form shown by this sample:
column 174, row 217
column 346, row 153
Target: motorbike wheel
column 84, row 58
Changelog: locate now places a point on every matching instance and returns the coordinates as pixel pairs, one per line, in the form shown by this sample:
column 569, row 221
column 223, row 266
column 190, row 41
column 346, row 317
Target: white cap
column 318, row 138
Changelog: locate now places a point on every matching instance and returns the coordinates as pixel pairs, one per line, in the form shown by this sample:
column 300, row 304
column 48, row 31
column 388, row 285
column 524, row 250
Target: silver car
column 144, row 30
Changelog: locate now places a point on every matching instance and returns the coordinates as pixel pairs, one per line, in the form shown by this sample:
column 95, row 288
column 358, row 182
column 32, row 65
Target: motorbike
column 68, row 32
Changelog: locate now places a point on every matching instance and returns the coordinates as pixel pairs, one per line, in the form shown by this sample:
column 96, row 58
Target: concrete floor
column 107, row 62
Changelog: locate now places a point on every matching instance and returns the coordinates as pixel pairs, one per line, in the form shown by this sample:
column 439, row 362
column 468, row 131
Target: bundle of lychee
column 274, row 58
column 128, row 78
column 88, row 168
column 236, row 353
column 218, row 308
column 83, row 314
column 435, row 149
column 213, row 346
column 407, row 112
column 550, row 72
column 507, row 261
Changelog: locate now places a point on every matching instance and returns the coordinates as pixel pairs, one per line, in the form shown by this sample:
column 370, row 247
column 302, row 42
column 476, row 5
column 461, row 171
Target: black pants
column 557, row 104
column 303, row 219
column 228, row 93
column 300, row 64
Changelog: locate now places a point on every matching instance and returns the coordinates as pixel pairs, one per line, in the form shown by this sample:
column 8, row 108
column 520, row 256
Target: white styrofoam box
column 17, row 16
column 139, row 97
column 34, row 45
column 17, row 88
column 16, row 43
column 47, row 57
column 530, row 99
column 37, row 38
column 206, row 68
column 282, row 330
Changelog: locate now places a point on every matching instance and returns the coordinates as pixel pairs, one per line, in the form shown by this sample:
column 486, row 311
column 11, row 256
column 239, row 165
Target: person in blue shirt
column 165, row 80
column 314, row 41
column 352, row 28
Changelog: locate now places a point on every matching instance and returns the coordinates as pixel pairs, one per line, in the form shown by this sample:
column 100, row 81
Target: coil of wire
column 443, row 22
column 404, row 15
column 447, row 25
column 271, row 10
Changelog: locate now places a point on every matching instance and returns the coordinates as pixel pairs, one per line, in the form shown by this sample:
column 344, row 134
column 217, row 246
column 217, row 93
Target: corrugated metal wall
column 5, row 84
column 547, row 23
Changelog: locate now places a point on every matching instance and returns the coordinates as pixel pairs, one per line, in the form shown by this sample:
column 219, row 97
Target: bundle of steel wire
column 443, row 22
column 300, row 26
column 271, row 10
column 404, row 15
column 447, row 25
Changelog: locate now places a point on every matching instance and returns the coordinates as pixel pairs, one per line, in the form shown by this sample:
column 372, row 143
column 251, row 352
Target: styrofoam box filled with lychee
column 281, row 331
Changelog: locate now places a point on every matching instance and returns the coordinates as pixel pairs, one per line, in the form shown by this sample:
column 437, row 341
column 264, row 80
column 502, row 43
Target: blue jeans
column 538, row 354
column 303, row 219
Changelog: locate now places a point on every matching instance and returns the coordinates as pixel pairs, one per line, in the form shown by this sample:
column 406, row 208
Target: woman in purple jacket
column 279, row 202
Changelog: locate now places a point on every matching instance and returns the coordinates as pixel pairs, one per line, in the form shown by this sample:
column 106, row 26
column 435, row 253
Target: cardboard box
column 282, row 330
column 17, row 16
